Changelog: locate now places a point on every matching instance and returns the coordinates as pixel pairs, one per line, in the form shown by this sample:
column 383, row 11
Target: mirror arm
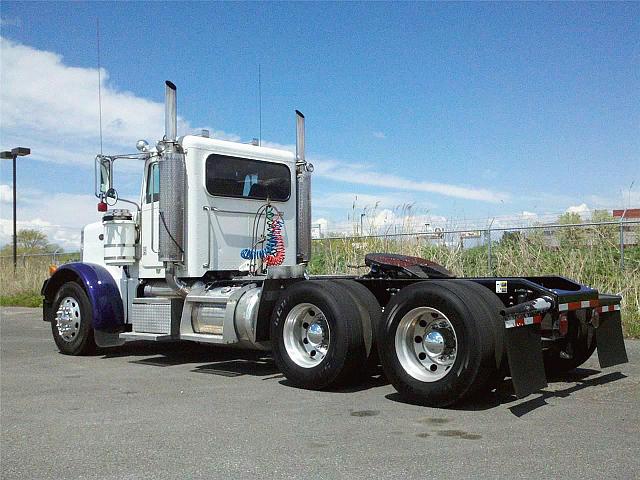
column 131, row 202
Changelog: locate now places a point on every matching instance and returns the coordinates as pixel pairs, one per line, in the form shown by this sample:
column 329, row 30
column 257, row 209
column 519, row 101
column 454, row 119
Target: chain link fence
column 604, row 255
column 617, row 242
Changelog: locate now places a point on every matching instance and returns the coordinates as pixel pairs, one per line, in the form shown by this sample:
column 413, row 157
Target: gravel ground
column 150, row 411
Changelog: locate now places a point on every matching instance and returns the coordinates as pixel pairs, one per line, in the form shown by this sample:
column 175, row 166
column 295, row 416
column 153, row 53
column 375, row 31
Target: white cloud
column 380, row 135
column 364, row 175
column 53, row 108
column 57, row 105
column 386, row 221
column 581, row 209
column 59, row 215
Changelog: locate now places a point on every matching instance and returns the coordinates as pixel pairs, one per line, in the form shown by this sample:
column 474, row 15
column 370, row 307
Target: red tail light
column 102, row 207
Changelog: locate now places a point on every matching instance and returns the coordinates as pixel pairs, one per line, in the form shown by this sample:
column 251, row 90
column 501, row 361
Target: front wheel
column 72, row 321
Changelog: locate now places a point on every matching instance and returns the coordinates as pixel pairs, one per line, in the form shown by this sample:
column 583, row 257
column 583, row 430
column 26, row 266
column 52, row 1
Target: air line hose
column 273, row 252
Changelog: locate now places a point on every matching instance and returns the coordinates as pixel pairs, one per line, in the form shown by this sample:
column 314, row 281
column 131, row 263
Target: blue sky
column 466, row 111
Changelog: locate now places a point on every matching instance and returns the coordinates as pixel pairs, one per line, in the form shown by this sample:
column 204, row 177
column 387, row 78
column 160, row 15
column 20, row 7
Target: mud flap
column 610, row 341
column 107, row 339
column 524, row 351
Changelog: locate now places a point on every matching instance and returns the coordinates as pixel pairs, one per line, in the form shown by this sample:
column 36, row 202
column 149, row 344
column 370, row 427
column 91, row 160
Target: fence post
column 622, row 243
column 489, row 262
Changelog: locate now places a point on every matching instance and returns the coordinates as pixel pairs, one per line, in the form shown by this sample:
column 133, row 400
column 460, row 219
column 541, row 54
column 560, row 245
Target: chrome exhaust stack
column 171, row 165
column 170, row 112
column 303, row 196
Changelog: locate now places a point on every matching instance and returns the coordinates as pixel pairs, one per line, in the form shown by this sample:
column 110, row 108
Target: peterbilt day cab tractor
column 216, row 252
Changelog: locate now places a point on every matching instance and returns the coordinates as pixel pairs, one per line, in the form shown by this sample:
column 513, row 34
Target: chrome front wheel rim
column 306, row 335
column 68, row 319
column 426, row 344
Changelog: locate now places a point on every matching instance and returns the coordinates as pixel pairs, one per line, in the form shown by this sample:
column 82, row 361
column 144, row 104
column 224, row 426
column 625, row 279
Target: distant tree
column 601, row 216
column 569, row 218
column 31, row 241
column 604, row 232
column 570, row 235
column 511, row 238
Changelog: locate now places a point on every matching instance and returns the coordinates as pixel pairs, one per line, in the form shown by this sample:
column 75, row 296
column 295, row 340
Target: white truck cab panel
column 221, row 226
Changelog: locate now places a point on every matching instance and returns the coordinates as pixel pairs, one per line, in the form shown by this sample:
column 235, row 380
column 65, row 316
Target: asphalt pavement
column 156, row 411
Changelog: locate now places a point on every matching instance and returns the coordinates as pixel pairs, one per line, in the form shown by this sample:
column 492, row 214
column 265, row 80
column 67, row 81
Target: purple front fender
column 101, row 288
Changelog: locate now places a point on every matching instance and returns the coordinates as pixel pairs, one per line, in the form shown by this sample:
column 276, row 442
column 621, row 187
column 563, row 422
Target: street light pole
column 15, row 234
column 14, row 154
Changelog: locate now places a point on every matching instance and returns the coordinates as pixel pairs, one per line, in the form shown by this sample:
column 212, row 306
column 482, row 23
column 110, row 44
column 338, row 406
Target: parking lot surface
column 155, row 411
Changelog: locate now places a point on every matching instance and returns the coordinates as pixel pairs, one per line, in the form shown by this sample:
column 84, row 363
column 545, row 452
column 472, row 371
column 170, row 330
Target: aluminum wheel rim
column 68, row 319
column 426, row 344
column 306, row 335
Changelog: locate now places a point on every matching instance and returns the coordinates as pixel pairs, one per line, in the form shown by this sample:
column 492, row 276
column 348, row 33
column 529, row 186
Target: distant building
column 628, row 213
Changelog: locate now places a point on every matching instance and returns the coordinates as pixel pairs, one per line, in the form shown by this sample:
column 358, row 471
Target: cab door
column 150, row 265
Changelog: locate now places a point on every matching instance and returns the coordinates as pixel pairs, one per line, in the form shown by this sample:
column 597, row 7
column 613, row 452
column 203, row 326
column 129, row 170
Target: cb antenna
column 259, row 106
column 99, row 81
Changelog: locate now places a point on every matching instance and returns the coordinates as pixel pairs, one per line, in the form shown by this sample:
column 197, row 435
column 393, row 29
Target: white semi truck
column 216, row 249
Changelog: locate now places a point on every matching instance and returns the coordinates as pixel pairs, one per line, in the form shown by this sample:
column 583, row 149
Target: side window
column 245, row 178
column 153, row 183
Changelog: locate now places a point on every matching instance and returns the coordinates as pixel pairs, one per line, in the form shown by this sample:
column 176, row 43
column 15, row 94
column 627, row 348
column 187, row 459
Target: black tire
column 583, row 344
column 80, row 341
column 475, row 331
column 370, row 315
column 346, row 352
column 494, row 305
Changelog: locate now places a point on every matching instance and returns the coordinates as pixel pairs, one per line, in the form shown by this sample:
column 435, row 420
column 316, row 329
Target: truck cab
column 226, row 184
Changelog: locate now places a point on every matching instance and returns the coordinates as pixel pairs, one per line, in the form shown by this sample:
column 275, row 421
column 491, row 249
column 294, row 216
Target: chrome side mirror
column 103, row 175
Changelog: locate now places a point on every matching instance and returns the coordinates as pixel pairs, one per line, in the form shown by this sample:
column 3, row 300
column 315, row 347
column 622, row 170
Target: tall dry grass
column 23, row 286
column 590, row 257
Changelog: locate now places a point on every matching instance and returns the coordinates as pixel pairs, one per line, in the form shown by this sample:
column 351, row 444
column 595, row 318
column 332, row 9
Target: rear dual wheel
column 370, row 317
column 317, row 335
column 442, row 342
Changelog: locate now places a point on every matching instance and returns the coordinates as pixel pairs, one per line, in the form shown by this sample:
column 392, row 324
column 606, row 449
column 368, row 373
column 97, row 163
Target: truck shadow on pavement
column 504, row 393
column 227, row 362
column 373, row 380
